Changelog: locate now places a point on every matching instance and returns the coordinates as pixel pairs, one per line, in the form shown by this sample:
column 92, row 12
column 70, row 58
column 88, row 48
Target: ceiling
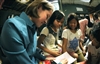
column 92, row 3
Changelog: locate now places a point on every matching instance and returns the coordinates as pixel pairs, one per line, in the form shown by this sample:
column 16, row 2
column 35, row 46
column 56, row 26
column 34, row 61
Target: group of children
column 71, row 39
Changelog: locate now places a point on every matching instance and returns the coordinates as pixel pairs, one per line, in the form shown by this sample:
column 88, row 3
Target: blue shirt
column 18, row 40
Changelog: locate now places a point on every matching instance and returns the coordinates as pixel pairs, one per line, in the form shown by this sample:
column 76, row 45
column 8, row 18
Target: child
column 94, row 47
column 71, row 38
column 47, row 40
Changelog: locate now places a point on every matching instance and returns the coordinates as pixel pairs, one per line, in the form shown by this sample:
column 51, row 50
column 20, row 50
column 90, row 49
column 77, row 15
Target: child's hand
column 84, row 53
column 56, row 53
column 83, row 62
column 50, row 58
column 64, row 61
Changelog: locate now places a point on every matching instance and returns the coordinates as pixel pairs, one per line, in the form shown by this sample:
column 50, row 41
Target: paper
column 65, row 55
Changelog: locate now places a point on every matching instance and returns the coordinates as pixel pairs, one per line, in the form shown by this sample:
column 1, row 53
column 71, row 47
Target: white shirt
column 73, row 39
column 49, row 41
column 94, row 52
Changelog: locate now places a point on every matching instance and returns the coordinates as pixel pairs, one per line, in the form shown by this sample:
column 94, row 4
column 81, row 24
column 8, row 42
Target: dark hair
column 70, row 17
column 90, row 24
column 57, row 15
column 96, row 31
column 32, row 8
column 95, row 16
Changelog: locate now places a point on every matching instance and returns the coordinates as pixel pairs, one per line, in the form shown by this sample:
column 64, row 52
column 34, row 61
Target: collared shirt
column 18, row 40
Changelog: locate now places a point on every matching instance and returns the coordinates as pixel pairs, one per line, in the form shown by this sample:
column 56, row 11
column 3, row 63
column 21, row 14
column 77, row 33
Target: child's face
column 91, row 37
column 73, row 24
column 58, row 23
column 95, row 42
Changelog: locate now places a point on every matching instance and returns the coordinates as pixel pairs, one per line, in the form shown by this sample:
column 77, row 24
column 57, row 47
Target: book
column 65, row 55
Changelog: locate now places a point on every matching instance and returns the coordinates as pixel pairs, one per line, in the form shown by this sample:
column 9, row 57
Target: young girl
column 71, row 38
column 94, row 47
column 47, row 40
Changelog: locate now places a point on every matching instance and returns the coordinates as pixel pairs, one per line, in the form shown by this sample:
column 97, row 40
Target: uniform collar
column 25, row 17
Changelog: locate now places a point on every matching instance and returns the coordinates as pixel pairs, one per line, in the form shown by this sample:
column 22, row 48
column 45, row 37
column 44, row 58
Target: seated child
column 94, row 47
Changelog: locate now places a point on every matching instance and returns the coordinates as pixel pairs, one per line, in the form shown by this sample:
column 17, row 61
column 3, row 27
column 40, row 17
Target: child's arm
column 59, row 45
column 81, row 46
column 40, row 41
column 64, row 45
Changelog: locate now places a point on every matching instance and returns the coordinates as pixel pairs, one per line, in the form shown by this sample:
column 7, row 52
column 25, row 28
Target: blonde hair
column 31, row 10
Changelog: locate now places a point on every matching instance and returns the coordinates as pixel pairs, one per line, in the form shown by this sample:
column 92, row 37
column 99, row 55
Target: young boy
column 94, row 47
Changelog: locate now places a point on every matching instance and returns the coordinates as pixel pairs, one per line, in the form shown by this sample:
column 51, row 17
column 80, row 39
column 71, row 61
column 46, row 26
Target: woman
column 18, row 36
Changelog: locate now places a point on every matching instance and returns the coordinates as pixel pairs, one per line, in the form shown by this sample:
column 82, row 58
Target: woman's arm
column 13, row 46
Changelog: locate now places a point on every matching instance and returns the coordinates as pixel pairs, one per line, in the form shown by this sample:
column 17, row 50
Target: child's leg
column 80, row 56
column 75, row 62
column 73, row 54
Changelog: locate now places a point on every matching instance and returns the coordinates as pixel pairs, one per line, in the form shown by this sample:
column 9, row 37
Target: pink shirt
column 83, row 23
